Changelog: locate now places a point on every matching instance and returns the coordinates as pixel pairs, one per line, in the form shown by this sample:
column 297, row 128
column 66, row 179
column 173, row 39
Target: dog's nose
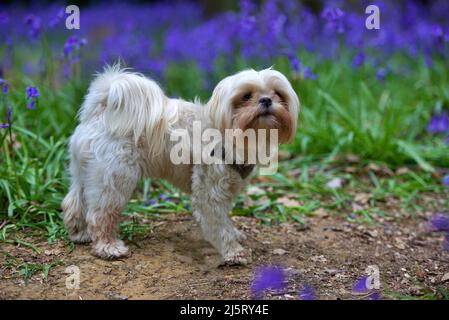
column 265, row 102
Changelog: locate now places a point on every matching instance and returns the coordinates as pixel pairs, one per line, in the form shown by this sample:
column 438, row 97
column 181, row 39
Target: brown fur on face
column 248, row 113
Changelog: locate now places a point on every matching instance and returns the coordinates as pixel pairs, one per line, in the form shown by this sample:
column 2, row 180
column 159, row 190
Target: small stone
column 279, row 251
column 335, row 183
column 445, row 277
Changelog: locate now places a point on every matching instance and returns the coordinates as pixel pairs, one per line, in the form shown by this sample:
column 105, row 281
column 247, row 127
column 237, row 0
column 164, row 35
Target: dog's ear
column 218, row 107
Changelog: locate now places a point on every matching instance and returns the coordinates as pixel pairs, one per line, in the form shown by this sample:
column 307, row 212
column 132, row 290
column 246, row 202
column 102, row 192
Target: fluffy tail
column 130, row 104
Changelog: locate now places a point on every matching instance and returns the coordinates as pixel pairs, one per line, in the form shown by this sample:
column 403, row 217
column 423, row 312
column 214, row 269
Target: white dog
column 124, row 135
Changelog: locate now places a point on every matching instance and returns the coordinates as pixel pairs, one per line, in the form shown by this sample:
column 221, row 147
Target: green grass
column 345, row 111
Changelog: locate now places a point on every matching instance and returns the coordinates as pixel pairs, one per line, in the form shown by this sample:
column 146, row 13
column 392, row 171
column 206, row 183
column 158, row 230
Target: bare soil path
column 173, row 262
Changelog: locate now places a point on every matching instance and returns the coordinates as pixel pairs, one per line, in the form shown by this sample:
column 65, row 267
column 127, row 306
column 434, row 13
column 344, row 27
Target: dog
column 123, row 135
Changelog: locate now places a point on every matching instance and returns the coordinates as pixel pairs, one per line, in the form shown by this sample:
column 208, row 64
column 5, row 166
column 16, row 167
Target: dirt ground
column 173, row 262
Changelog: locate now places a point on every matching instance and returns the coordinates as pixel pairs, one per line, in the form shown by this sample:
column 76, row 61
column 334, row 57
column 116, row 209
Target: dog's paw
column 80, row 237
column 111, row 250
column 240, row 257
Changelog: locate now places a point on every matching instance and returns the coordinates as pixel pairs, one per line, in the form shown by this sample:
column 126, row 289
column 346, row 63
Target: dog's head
column 255, row 100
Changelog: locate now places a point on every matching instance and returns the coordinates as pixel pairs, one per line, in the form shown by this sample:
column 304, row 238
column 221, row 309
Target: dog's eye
column 247, row 96
column 281, row 97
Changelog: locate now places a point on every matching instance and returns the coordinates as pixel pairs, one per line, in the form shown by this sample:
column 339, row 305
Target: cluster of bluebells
column 155, row 201
column 274, row 278
column 4, row 87
column 33, row 24
column 149, row 38
column 32, row 95
column 72, row 48
column 72, row 52
column 440, row 223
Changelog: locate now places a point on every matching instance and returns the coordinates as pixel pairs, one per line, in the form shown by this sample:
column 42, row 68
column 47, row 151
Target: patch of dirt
column 173, row 262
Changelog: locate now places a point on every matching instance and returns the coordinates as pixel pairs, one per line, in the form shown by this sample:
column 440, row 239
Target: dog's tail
column 130, row 105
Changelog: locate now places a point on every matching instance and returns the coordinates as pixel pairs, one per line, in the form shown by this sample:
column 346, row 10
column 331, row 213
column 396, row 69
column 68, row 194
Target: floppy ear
column 218, row 108
column 293, row 106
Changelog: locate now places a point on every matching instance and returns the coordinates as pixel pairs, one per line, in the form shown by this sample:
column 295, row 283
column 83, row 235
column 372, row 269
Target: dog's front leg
column 211, row 203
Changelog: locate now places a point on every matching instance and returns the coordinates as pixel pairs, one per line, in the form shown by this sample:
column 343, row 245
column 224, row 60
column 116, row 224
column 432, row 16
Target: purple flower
column 307, row 293
column 438, row 123
column 358, row 60
column 8, row 119
column 4, row 85
column 151, row 202
column 334, row 18
column 31, row 92
column 9, row 114
column 295, row 64
column 360, row 287
column 266, row 278
column 308, row 74
column 57, row 18
column 164, row 197
column 381, row 74
column 34, row 23
column 439, row 222
column 72, row 47
column 446, row 180
column 32, row 105
column 438, row 33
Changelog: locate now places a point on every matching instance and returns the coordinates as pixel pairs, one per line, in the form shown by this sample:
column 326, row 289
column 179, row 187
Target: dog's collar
column 244, row 170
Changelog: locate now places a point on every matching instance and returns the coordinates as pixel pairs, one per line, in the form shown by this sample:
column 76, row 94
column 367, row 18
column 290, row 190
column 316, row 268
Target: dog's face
column 255, row 100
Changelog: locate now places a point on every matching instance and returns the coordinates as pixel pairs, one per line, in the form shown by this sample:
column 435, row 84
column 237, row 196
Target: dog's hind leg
column 73, row 205
column 108, row 190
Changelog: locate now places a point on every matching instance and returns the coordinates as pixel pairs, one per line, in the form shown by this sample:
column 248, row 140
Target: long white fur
column 123, row 135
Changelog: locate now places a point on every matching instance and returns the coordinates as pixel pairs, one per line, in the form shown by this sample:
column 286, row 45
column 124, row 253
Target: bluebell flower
column 438, row 123
column 32, row 105
column 4, row 85
column 8, row 119
column 381, row 74
column 334, row 18
column 31, row 92
column 267, row 278
column 446, row 180
column 360, row 289
column 358, row 60
column 164, row 197
column 439, row 222
column 308, row 74
column 295, row 64
column 34, row 23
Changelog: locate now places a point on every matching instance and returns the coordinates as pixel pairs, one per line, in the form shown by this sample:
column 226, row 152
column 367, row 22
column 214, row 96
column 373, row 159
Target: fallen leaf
column 362, row 198
column 288, row 202
column 254, row 190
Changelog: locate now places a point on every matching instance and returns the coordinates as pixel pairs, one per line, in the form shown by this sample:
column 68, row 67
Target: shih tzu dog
column 124, row 135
